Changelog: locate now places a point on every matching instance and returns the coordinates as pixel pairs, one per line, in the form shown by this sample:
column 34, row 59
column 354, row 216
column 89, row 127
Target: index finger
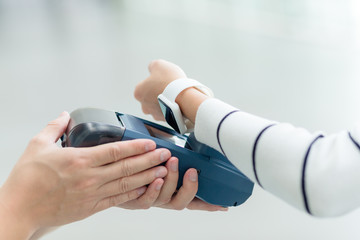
column 113, row 152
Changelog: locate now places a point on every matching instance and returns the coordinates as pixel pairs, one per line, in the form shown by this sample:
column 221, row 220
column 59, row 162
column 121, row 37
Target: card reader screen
column 166, row 136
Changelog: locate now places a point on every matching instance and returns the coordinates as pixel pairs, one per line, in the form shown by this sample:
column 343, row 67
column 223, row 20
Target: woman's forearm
column 311, row 171
column 286, row 160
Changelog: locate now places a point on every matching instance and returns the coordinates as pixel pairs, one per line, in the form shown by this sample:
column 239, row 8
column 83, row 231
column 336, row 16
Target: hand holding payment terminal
column 220, row 182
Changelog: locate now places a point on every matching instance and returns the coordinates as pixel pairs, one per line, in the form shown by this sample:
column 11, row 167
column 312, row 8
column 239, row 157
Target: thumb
column 55, row 128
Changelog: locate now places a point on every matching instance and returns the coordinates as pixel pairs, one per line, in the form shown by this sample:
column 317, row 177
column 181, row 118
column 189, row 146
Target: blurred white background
column 288, row 60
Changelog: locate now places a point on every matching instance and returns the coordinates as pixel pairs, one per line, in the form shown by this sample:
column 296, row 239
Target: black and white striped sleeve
column 315, row 173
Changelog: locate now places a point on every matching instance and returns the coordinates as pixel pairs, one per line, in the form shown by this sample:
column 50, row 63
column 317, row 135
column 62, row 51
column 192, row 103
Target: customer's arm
column 314, row 173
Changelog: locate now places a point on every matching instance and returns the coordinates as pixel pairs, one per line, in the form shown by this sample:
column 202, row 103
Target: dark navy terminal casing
column 220, row 182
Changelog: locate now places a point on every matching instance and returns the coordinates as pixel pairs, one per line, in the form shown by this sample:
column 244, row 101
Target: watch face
column 169, row 115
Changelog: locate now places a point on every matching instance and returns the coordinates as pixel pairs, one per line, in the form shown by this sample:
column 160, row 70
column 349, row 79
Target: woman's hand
column 170, row 198
column 52, row 186
column 146, row 92
column 161, row 74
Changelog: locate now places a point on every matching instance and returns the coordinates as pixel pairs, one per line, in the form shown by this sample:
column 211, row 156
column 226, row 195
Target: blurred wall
column 287, row 60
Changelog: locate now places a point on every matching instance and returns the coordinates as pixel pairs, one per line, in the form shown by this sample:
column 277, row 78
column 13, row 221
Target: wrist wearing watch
column 171, row 109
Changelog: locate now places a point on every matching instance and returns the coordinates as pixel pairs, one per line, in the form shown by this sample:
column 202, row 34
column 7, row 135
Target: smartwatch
column 171, row 109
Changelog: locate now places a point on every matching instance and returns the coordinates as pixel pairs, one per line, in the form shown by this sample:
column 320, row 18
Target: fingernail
column 164, row 155
column 141, row 190
column 149, row 146
column 161, row 172
column 193, row 176
column 158, row 186
column 223, row 209
column 174, row 166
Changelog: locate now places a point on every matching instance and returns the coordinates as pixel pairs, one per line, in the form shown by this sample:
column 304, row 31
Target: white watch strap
column 174, row 88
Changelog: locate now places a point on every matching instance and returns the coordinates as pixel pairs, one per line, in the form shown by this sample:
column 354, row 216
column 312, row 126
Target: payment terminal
column 220, row 182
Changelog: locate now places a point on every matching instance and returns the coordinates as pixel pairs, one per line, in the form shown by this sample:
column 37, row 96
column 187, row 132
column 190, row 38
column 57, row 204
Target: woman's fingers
column 118, row 199
column 198, row 204
column 186, row 193
column 113, row 152
column 150, row 196
column 133, row 165
column 154, row 110
column 147, row 199
column 170, row 183
column 129, row 183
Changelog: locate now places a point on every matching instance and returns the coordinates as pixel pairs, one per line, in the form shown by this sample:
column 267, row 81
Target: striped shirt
column 315, row 173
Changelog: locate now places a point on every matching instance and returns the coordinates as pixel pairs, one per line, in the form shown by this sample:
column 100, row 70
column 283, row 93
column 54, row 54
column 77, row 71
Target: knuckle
column 79, row 161
column 53, row 123
column 138, row 93
column 126, row 168
column 155, row 64
column 123, row 185
column 145, row 109
column 87, row 183
column 130, row 196
column 114, row 152
column 112, row 201
column 37, row 140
